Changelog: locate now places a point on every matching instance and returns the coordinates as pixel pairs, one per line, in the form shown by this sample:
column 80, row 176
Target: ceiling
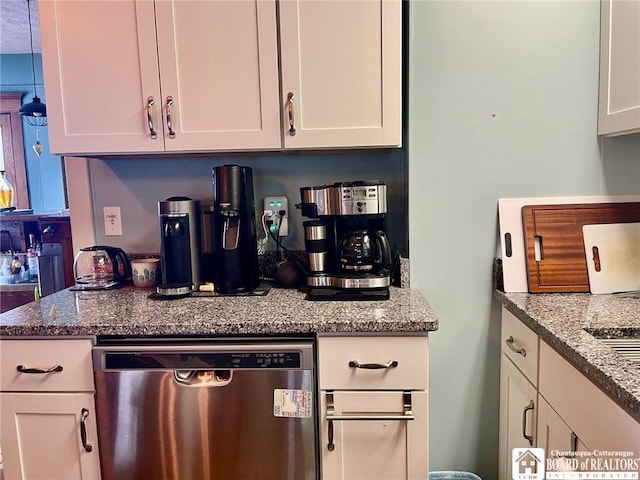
column 14, row 26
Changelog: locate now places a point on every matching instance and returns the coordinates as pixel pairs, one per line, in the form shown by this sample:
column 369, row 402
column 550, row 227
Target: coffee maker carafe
column 364, row 251
column 235, row 252
column 347, row 247
column 180, row 246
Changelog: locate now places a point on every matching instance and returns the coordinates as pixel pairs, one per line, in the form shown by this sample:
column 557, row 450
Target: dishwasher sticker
column 292, row 403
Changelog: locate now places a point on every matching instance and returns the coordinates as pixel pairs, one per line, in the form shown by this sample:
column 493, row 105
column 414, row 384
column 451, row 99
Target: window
column 13, row 147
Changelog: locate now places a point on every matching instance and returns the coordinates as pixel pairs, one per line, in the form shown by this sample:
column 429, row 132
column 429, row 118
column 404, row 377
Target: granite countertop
column 130, row 311
column 564, row 321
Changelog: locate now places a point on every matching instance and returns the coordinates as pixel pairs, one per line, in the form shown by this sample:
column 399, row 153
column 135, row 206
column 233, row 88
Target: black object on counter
column 234, row 239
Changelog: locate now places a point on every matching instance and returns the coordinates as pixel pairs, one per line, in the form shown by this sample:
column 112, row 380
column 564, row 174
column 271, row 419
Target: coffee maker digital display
column 346, row 243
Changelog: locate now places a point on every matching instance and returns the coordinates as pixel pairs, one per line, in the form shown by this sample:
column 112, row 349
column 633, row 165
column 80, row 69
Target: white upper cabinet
column 145, row 76
column 209, row 82
column 619, row 106
column 98, row 79
column 342, row 62
column 219, row 69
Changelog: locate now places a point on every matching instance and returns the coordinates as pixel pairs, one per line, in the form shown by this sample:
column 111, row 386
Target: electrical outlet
column 280, row 223
column 112, row 221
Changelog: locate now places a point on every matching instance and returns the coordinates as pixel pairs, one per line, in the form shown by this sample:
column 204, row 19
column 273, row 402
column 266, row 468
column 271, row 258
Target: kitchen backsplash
column 137, row 184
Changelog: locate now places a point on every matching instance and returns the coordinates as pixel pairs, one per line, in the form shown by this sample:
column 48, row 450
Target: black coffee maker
column 235, row 253
column 180, row 246
column 346, row 242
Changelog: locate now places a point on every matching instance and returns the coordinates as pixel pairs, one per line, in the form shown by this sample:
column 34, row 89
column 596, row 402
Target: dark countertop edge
column 620, row 395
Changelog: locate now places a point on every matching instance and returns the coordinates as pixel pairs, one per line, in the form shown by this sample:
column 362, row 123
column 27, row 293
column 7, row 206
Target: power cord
column 262, row 242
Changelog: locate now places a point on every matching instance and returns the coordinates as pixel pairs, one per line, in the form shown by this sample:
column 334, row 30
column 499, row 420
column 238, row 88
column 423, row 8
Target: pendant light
column 34, row 113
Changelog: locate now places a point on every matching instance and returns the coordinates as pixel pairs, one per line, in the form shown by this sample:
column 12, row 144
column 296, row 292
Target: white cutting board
column 613, row 257
column 514, row 261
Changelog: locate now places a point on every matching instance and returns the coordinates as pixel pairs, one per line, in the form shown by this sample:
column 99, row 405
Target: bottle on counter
column 16, row 265
column 6, row 191
column 32, row 258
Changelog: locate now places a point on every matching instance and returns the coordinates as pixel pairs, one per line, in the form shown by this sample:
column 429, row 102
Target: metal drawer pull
column 331, row 446
column 373, row 366
column 54, row 369
column 172, row 133
column 331, row 416
column 292, row 128
column 83, row 431
column 370, row 417
column 531, row 406
column 521, row 351
column 150, row 103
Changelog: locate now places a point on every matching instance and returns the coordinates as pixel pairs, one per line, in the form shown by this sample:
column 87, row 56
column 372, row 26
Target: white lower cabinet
column 555, row 406
column 47, row 411
column 597, row 421
column 518, row 410
column 518, row 390
column 369, row 435
column 42, row 436
column 373, row 407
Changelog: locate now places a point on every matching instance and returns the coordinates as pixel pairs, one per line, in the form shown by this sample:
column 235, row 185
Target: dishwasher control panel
column 131, row 360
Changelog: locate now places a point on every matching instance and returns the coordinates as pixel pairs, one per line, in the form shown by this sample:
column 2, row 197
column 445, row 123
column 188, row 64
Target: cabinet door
column 98, row 77
column 374, row 449
column 219, row 69
column 41, row 437
column 342, row 63
column 619, row 107
column 557, row 439
column 517, row 415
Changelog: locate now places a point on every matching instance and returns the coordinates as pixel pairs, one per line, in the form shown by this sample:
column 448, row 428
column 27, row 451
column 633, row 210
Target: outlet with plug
column 276, row 209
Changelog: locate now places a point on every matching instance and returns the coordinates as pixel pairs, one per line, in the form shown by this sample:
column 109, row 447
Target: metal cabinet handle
column 172, row 133
column 531, row 406
column 83, row 431
column 574, row 442
column 331, row 446
column 54, row 369
column 521, row 351
column 150, row 103
column 292, row 128
column 373, row 366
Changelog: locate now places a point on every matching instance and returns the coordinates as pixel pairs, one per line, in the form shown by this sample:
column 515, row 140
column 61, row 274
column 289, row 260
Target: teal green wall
column 44, row 173
column 503, row 100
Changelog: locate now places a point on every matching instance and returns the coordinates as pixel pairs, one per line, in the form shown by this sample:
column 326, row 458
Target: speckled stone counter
column 564, row 322
column 130, row 311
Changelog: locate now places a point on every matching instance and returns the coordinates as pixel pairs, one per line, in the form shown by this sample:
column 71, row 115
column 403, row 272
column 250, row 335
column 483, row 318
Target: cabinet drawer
column 405, row 356
column 74, row 356
column 520, row 344
column 596, row 419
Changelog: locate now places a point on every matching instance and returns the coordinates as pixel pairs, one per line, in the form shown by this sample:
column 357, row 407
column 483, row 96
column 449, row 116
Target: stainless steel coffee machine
column 346, row 243
column 179, row 246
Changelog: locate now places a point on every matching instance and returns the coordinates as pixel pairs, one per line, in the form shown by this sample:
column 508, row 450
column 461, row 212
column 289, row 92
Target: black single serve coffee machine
column 346, row 243
column 235, row 252
column 179, row 246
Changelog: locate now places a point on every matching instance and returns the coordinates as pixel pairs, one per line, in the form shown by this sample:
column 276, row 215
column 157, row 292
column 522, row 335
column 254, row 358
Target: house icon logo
column 527, row 464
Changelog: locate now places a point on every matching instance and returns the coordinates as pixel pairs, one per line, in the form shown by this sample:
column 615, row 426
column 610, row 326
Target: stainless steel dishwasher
column 193, row 409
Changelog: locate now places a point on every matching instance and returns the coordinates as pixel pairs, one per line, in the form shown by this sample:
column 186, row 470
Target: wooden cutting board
column 556, row 260
column 513, row 253
column 613, row 257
